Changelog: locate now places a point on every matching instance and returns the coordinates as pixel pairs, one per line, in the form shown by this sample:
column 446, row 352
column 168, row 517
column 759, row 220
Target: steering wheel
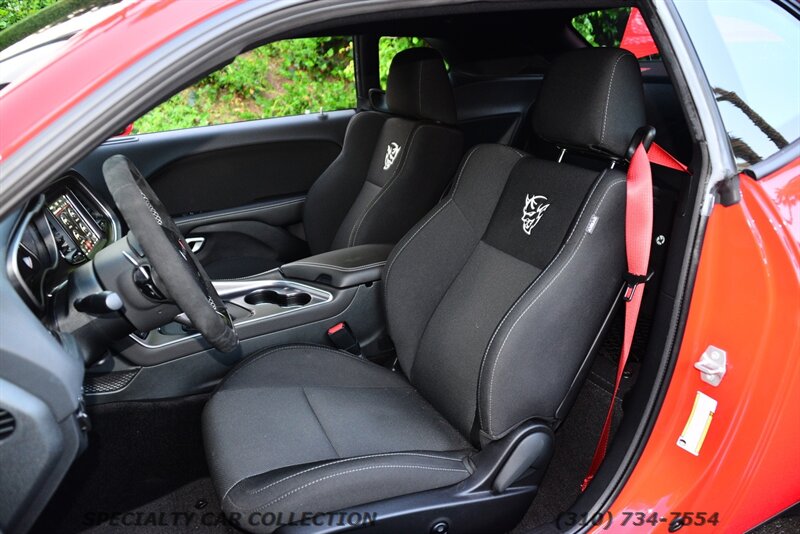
column 165, row 248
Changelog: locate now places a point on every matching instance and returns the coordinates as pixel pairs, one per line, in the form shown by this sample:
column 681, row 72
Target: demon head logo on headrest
column 532, row 211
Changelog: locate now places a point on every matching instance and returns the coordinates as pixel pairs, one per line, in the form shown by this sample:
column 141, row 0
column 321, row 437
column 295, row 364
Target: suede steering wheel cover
column 169, row 255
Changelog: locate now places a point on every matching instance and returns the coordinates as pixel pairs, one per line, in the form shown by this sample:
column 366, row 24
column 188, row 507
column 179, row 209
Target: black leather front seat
column 493, row 302
column 394, row 166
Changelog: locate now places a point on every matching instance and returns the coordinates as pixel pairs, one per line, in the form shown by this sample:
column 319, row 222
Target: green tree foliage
column 21, row 18
column 602, row 28
column 288, row 77
column 13, row 11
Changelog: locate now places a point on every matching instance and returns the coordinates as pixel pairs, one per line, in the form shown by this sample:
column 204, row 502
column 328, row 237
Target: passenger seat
column 394, row 166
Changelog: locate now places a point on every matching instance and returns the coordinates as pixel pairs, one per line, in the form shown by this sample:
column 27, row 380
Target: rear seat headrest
column 418, row 86
column 591, row 100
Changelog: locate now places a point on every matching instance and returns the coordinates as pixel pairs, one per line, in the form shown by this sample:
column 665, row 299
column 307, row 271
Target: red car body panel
column 745, row 299
column 92, row 58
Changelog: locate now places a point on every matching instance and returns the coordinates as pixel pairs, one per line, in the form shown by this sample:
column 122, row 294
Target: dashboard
column 62, row 228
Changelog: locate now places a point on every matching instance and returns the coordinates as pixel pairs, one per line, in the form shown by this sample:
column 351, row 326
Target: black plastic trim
column 790, row 6
column 775, row 162
column 471, row 506
column 278, row 212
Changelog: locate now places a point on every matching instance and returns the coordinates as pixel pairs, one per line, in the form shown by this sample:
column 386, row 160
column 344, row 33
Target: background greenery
column 604, row 27
column 388, row 47
column 283, row 78
column 13, row 11
column 288, row 77
column 20, row 18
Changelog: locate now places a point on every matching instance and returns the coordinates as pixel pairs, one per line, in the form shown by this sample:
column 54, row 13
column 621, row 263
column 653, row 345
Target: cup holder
column 284, row 300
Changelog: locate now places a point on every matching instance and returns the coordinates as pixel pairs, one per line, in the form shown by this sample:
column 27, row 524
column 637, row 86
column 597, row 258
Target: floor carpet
column 190, row 508
column 138, row 452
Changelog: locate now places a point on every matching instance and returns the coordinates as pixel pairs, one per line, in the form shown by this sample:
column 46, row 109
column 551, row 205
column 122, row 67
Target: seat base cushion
column 308, row 429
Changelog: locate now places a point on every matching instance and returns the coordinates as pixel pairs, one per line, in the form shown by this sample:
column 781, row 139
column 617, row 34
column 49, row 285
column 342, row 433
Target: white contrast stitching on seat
column 255, row 357
column 426, row 468
column 550, row 283
column 513, row 307
column 284, row 479
column 450, row 198
column 398, row 171
column 608, row 97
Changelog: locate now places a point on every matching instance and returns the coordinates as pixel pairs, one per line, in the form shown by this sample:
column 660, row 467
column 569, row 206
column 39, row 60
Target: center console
column 256, row 306
column 345, row 267
column 296, row 303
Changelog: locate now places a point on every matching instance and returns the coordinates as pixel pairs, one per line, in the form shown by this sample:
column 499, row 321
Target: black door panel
column 321, row 136
column 236, row 176
column 283, row 212
column 239, row 242
column 240, row 188
column 242, row 248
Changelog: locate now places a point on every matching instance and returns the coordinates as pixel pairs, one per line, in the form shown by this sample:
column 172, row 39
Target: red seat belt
column 638, row 233
column 659, row 156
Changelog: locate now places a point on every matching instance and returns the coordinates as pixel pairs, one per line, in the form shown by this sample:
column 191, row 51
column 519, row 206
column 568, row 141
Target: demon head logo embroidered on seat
column 532, row 211
column 392, row 150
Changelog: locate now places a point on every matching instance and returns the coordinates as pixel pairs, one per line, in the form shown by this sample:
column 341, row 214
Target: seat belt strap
column 638, row 234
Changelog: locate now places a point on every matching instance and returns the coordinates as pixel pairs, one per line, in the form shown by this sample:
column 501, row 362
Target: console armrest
column 345, row 267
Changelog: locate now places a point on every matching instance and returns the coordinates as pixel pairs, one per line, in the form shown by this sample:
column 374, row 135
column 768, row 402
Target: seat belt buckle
column 344, row 339
column 632, row 281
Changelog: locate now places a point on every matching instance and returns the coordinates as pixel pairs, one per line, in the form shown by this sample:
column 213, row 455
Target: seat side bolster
column 440, row 244
column 332, row 194
column 541, row 343
column 345, row 482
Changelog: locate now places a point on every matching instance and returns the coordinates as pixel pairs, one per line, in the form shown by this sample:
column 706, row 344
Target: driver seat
column 494, row 301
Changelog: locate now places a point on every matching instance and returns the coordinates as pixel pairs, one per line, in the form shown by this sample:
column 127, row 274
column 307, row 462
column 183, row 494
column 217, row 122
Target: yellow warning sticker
column 694, row 433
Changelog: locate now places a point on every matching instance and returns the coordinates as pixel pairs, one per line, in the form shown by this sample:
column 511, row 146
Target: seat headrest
column 418, row 86
column 591, row 100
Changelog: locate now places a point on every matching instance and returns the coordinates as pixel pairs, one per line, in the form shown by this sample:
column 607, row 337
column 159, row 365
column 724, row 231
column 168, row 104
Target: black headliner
column 484, row 31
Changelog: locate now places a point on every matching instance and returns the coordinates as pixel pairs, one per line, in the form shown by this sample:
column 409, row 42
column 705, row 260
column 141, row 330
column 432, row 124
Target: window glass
column 750, row 52
column 621, row 27
column 289, row 77
column 603, row 27
column 388, row 47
